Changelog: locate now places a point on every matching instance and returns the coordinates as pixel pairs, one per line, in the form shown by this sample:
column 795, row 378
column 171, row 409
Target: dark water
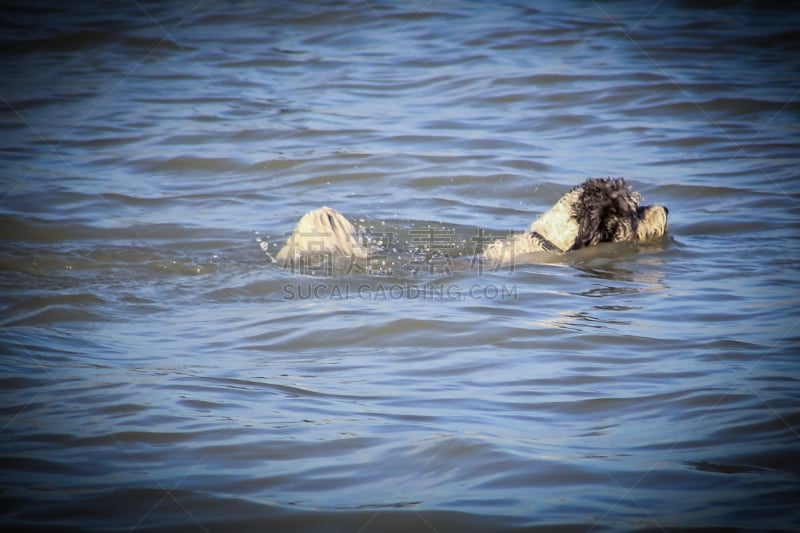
column 158, row 373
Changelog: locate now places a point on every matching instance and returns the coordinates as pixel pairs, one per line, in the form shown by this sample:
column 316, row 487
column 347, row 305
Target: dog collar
column 545, row 243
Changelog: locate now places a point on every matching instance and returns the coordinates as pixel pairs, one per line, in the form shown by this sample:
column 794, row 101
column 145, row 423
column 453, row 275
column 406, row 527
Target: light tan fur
column 506, row 250
column 558, row 225
column 322, row 232
column 651, row 223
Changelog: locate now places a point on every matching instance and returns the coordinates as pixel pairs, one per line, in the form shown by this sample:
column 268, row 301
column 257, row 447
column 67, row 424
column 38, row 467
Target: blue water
column 160, row 373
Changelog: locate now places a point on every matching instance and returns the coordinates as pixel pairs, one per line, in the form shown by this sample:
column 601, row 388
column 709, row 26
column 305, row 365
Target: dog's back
column 323, row 232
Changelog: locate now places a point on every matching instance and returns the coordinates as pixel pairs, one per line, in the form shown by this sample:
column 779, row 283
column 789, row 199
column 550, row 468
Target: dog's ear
column 602, row 206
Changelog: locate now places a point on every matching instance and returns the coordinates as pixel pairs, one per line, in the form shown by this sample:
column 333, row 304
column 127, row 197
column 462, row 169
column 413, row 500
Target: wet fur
column 606, row 212
column 322, row 232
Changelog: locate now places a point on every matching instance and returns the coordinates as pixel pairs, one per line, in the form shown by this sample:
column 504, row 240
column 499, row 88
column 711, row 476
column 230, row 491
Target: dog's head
column 600, row 210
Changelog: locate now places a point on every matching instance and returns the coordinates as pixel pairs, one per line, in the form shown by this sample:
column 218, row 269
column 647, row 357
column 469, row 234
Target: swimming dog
column 598, row 210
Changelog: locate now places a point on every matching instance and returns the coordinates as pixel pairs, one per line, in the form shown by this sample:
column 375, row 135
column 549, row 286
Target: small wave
column 183, row 164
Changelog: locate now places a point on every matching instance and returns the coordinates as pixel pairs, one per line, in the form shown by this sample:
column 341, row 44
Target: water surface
column 159, row 373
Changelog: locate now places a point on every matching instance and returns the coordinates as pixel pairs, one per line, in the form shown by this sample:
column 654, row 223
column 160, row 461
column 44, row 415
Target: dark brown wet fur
column 604, row 210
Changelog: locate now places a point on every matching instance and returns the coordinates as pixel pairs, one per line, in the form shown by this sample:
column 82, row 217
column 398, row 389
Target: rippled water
column 158, row 373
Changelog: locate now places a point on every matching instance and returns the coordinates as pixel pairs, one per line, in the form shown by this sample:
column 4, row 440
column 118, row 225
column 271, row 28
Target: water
column 158, row 373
